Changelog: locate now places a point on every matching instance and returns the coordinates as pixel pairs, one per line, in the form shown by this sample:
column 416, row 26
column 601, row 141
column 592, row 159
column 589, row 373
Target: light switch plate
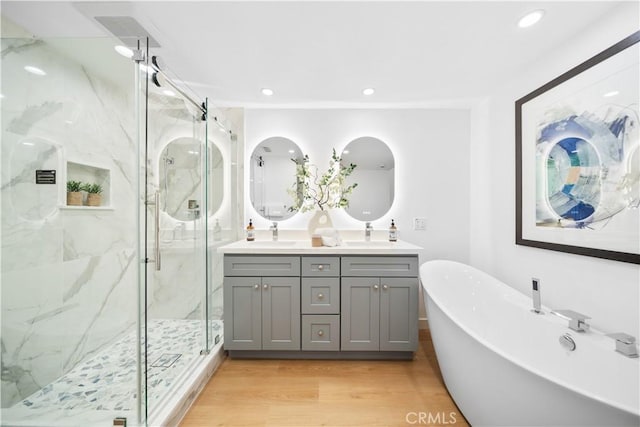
column 419, row 224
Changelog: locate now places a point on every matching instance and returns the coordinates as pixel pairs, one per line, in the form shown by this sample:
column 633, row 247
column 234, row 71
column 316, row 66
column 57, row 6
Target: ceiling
column 323, row 53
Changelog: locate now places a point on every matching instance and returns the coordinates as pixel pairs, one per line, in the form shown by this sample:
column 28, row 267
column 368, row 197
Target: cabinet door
column 398, row 314
column 242, row 313
column 281, row 313
column 360, row 314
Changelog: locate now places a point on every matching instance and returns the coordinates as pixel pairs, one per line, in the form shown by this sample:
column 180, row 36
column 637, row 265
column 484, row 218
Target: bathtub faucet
column 625, row 344
column 535, row 295
column 576, row 320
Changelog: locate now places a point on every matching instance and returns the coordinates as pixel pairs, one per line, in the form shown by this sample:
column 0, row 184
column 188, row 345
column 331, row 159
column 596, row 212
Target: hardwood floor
column 327, row 393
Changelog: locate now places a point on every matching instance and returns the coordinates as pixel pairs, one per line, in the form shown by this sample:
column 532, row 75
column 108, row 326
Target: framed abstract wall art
column 578, row 158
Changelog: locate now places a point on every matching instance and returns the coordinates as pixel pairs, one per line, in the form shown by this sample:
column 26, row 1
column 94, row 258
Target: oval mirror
column 373, row 196
column 180, row 178
column 272, row 173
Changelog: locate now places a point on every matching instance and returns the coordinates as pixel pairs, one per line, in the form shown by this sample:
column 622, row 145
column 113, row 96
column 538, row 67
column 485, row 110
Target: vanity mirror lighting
column 375, row 176
column 180, row 179
column 271, row 174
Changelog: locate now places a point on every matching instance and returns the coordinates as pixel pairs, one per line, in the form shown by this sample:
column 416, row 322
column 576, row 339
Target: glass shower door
column 175, row 224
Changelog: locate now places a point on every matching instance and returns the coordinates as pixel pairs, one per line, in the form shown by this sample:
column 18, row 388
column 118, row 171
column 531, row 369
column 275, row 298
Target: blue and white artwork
column 587, row 167
column 578, row 169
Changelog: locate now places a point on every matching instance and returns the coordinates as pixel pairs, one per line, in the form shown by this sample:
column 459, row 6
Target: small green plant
column 92, row 188
column 74, row 186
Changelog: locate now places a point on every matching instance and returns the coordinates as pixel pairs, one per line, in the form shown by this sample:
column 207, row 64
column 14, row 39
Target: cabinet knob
column 320, row 267
column 385, row 287
column 375, row 287
column 265, row 286
column 320, row 333
column 256, row 286
column 320, row 296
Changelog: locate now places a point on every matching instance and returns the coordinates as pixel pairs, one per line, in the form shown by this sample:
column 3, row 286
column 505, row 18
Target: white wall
column 431, row 149
column 608, row 291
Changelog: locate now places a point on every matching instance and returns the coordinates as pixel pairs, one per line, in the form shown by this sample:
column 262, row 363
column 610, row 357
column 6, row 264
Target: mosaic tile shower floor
column 107, row 381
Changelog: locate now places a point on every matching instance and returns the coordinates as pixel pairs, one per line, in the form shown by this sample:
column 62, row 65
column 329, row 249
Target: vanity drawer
column 261, row 265
column 320, row 266
column 320, row 295
column 321, row 332
column 380, row 266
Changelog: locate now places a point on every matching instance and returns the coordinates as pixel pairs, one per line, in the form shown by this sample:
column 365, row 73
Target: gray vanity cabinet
column 262, row 312
column 380, row 308
column 321, row 306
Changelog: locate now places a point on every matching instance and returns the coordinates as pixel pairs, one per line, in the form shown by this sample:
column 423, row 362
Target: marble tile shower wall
column 68, row 276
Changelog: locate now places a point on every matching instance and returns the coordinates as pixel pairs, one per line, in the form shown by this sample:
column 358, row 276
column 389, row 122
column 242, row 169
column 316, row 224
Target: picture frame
column 578, row 158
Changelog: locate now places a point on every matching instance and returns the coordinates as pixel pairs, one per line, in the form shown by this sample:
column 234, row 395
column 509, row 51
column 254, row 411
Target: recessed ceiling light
column 169, row 92
column 31, row 144
column 610, row 94
column 345, row 152
column 124, row 51
column 35, row 70
column 368, row 91
column 292, row 151
column 266, row 91
column 531, row 18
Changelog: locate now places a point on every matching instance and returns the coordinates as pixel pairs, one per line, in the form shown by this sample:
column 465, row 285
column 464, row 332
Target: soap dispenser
column 393, row 232
column 251, row 232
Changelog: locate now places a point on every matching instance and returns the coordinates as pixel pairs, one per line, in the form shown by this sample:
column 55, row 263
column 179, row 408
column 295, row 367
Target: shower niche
column 88, row 174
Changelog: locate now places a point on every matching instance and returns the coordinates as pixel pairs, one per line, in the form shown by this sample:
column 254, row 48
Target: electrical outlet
column 419, row 224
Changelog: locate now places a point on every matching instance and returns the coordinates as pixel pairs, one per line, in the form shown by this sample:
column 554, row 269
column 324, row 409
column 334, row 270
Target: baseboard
column 422, row 323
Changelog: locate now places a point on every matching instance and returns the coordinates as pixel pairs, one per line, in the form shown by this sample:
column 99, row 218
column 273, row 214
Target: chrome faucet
column 576, row 320
column 625, row 344
column 180, row 226
column 274, row 231
column 367, row 232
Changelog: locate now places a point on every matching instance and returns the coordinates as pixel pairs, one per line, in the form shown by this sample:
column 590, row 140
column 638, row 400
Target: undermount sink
column 271, row 243
column 374, row 243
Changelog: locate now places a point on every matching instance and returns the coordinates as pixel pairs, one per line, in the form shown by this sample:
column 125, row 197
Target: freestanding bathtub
column 504, row 365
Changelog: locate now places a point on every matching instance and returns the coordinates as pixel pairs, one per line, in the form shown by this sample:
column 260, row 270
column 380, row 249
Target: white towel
column 330, row 236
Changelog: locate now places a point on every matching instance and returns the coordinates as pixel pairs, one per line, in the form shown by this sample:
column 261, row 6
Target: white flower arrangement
column 313, row 191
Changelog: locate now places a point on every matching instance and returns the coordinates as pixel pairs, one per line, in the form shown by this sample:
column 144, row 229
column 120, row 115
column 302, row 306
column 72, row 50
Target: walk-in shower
column 106, row 311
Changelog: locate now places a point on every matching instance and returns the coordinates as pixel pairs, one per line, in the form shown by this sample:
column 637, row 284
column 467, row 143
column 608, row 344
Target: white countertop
column 303, row 247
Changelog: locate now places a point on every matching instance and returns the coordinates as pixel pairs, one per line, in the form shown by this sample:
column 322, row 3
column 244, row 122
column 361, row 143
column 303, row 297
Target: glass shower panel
column 176, row 235
column 69, row 273
column 222, row 152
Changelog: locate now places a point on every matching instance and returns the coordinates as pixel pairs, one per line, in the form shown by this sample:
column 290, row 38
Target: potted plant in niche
column 74, row 195
column 321, row 192
column 94, row 194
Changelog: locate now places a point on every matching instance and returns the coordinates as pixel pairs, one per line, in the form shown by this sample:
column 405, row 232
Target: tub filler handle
column 576, row 320
column 625, row 344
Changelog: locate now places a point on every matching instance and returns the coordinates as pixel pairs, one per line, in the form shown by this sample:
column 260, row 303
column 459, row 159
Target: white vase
column 320, row 219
